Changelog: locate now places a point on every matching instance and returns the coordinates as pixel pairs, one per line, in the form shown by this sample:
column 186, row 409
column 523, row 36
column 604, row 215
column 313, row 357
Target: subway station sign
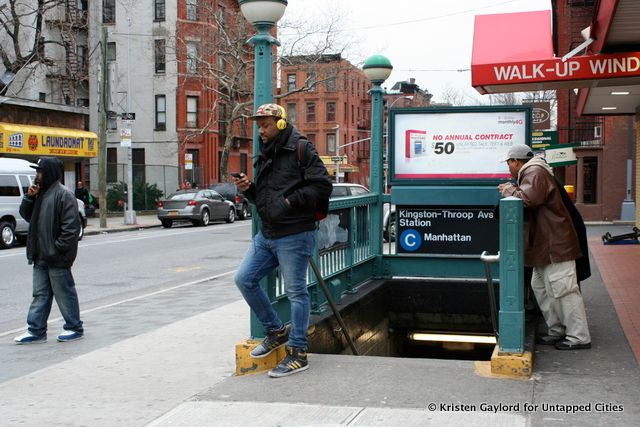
column 455, row 230
column 25, row 140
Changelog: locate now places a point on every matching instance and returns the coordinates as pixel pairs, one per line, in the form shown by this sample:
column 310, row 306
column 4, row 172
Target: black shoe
column 273, row 340
column 568, row 345
column 549, row 339
column 295, row 361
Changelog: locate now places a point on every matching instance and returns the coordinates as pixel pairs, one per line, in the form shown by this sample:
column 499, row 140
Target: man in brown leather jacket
column 551, row 248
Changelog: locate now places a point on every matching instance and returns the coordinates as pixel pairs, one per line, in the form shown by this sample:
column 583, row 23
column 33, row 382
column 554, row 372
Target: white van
column 16, row 176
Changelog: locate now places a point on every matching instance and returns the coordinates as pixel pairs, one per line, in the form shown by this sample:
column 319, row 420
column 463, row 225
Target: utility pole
column 130, row 214
column 102, row 142
column 337, row 157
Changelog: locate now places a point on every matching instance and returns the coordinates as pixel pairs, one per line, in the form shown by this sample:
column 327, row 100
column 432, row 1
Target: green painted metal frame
column 511, row 314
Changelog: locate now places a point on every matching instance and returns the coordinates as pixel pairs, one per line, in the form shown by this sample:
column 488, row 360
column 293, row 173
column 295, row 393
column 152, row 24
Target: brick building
column 603, row 141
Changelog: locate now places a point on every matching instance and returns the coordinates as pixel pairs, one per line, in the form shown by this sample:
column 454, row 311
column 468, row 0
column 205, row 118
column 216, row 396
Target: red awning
column 506, row 39
column 514, row 53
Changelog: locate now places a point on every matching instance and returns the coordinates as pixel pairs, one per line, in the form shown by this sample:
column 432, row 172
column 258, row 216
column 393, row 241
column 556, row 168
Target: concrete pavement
column 116, row 223
column 181, row 374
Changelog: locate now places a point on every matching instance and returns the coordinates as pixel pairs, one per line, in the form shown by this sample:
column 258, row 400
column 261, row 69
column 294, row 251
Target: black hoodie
column 54, row 223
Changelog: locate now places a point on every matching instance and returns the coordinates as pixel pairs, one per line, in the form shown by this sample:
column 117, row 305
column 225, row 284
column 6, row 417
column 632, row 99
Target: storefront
column 71, row 146
column 590, row 52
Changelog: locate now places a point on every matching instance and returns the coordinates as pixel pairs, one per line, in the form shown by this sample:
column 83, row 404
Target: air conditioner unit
column 597, row 131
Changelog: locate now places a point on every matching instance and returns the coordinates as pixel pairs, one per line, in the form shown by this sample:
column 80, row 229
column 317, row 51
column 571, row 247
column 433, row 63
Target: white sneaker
column 29, row 338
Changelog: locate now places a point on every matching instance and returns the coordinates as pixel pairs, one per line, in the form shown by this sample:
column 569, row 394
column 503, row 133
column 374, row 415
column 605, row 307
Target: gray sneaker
column 296, row 361
column 274, row 339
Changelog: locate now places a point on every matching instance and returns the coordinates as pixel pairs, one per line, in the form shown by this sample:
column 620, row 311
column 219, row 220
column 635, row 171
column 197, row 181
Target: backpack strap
column 300, row 153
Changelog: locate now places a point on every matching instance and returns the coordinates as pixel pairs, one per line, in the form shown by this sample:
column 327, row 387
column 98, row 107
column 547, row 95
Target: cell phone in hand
column 236, row 174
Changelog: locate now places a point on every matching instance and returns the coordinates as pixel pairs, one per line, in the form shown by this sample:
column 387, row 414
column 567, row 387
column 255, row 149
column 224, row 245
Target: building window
column 243, row 162
column 82, row 102
column 112, row 122
column 331, row 143
column 192, row 111
column 222, row 119
column 42, row 96
column 161, row 112
column 312, row 138
column 160, row 55
column 111, row 51
column 331, row 84
column 159, row 9
column 292, row 113
column 192, row 10
column 192, row 57
column 311, row 112
column 112, row 165
column 590, row 175
column 82, row 55
column 291, row 82
column 311, row 81
column 109, row 11
column 331, row 111
column 137, row 165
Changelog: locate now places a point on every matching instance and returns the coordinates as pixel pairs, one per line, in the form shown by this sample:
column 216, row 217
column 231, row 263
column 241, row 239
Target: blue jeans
column 292, row 254
column 49, row 282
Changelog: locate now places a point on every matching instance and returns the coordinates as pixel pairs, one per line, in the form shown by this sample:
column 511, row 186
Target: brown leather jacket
column 549, row 235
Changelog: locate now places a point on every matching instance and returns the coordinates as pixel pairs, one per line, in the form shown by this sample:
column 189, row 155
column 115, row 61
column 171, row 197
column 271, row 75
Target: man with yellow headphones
column 290, row 180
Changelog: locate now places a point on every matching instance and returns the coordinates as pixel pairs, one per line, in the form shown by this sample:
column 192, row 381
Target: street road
column 128, row 283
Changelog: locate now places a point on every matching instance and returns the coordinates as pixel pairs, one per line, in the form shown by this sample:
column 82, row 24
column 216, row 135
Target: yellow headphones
column 281, row 124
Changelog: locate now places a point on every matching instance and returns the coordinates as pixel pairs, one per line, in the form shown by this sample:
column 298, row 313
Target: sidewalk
column 182, row 375
column 116, row 223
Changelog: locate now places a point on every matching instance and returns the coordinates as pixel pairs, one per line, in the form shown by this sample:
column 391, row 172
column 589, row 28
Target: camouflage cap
column 269, row 110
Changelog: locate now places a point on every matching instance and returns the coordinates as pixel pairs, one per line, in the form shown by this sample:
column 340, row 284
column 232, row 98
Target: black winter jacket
column 279, row 175
column 54, row 222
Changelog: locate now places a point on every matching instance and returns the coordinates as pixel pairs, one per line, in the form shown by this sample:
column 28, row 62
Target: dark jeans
column 290, row 253
column 49, row 283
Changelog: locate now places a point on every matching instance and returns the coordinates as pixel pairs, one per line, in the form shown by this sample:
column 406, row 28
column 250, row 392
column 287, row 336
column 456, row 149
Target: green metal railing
column 347, row 259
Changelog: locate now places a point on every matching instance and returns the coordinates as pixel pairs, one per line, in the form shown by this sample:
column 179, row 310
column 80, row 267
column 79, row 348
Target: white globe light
column 263, row 11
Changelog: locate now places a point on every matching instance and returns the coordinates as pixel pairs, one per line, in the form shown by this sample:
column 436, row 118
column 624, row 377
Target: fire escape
column 69, row 74
column 588, row 131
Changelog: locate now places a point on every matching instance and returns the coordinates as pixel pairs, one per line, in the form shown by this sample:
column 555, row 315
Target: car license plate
column 173, row 213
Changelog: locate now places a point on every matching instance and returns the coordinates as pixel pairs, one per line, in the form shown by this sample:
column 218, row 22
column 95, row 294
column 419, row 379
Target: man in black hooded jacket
column 291, row 183
column 52, row 244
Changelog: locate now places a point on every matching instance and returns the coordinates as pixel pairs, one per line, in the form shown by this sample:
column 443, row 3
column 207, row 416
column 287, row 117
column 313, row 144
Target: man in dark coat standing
column 52, row 244
column 290, row 182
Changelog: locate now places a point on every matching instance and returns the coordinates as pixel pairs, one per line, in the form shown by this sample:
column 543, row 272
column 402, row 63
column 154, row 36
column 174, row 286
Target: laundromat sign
column 40, row 140
column 452, row 230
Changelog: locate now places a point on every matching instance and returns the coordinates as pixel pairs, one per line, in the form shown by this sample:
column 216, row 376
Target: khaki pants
column 556, row 289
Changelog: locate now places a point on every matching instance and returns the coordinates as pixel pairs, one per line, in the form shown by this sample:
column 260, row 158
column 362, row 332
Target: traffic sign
column 128, row 116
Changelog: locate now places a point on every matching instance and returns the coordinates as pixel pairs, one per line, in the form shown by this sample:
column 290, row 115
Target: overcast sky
column 426, row 39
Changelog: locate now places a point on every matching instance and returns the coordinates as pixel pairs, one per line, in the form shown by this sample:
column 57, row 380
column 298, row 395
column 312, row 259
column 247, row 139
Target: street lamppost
column 377, row 68
column 263, row 14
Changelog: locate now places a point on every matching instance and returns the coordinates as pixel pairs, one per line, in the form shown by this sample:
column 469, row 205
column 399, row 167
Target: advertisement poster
column 464, row 145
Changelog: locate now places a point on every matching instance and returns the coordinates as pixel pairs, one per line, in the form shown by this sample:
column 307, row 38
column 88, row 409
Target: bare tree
column 218, row 57
column 23, row 36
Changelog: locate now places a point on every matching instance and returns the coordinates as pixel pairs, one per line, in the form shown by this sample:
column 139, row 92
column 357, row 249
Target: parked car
column 230, row 192
column 198, row 206
column 389, row 223
column 345, row 189
column 16, row 176
column 83, row 218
